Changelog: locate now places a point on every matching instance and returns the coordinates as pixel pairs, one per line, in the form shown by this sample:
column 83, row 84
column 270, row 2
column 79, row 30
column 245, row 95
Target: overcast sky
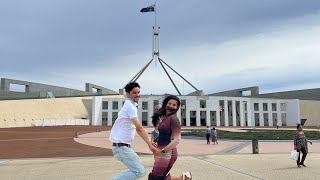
column 217, row 45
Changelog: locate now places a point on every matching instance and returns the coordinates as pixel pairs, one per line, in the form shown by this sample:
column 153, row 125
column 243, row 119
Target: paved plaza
column 227, row 160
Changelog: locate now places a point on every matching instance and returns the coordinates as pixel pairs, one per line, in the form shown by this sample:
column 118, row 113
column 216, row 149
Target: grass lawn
column 259, row 134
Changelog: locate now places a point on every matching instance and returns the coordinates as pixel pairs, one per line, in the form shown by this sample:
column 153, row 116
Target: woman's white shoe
column 186, row 175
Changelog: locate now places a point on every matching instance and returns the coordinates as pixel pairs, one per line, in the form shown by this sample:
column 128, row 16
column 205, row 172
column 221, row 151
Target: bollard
column 255, row 146
column 77, row 134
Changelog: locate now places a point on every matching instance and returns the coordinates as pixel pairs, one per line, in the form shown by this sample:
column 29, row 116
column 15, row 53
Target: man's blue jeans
column 130, row 159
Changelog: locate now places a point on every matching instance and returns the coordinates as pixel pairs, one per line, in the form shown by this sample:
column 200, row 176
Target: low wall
column 61, row 122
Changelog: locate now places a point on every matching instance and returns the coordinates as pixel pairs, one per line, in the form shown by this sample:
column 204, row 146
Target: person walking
column 155, row 134
column 123, row 132
column 300, row 144
column 214, row 136
column 169, row 137
column 208, row 133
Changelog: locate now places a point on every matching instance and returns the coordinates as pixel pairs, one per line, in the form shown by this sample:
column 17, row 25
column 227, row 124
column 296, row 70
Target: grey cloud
column 43, row 36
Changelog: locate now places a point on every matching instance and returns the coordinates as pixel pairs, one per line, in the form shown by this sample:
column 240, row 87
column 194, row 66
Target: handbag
column 294, row 155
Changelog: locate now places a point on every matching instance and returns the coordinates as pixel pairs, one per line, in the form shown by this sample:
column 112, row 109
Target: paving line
column 3, row 162
column 240, row 172
column 233, row 149
column 33, row 139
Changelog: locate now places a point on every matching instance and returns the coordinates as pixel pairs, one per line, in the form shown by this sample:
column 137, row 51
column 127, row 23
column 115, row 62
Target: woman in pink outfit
column 169, row 138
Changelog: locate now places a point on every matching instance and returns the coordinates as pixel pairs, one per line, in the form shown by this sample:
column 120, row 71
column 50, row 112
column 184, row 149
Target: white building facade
column 206, row 111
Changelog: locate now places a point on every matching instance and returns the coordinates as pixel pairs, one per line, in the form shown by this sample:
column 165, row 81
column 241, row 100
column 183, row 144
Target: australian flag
column 148, row 9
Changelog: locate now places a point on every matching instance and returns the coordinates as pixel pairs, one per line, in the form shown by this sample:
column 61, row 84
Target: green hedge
column 259, row 134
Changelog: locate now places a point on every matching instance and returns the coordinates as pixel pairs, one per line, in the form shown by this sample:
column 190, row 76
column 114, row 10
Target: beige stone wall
column 21, row 113
column 310, row 110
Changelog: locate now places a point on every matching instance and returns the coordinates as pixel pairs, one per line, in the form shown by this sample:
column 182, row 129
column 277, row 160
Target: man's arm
column 152, row 137
column 142, row 133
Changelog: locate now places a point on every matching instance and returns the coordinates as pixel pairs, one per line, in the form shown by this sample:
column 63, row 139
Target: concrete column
column 150, row 112
column 109, row 112
column 208, row 118
column 179, row 115
column 97, row 111
column 218, row 117
column 249, row 113
column 270, row 114
column 234, row 114
column 140, row 111
column 241, row 113
column 226, row 111
column 279, row 114
column 120, row 104
column 187, row 118
column 261, row 118
column 198, row 123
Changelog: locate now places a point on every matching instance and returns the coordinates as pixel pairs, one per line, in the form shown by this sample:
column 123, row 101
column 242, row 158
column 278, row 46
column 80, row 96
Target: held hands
column 154, row 144
column 310, row 142
column 152, row 148
column 158, row 152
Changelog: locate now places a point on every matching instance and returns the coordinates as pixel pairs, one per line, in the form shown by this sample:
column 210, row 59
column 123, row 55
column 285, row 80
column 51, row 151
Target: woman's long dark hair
column 162, row 111
column 298, row 125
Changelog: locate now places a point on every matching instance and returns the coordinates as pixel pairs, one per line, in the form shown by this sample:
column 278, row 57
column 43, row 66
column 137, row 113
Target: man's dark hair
column 130, row 86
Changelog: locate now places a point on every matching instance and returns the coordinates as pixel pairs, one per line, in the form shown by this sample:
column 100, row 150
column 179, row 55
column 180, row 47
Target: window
column 114, row 117
column 256, row 106
column 114, row 104
column 156, row 105
column 266, row 119
column 144, row 105
column 144, row 118
column 257, row 119
column 183, row 108
column 104, row 118
column 284, row 119
column 203, row 104
column 282, row 106
column 274, row 119
column 245, row 105
column 183, row 102
column 104, row 104
column 265, row 106
column 221, row 105
column 274, row 107
column 18, row 88
column 246, row 93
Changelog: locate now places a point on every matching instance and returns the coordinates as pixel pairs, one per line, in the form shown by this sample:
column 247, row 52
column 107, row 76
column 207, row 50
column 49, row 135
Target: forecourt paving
column 227, row 160
column 203, row 167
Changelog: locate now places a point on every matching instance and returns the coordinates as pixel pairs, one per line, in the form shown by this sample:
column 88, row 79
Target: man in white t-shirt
column 123, row 132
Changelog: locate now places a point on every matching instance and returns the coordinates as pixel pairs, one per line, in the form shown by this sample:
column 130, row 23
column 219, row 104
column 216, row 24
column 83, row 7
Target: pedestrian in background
column 208, row 131
column 214, row 136
column 301, row 145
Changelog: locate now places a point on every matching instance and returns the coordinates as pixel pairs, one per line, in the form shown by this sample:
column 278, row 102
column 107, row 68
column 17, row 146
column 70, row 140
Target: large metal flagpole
column 156, row 55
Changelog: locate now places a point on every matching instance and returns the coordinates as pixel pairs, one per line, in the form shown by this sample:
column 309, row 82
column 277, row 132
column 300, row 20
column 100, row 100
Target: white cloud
column 275, row 59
